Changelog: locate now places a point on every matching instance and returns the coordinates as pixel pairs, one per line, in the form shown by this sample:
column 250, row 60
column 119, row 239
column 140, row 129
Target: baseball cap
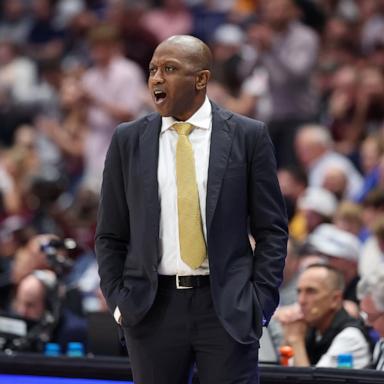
column 319, row 200
column 334, row 242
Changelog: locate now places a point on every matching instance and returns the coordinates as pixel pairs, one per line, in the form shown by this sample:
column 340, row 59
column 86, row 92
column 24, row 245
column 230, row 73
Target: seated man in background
column 37, row 299
column 319, row 328
column 371, row 293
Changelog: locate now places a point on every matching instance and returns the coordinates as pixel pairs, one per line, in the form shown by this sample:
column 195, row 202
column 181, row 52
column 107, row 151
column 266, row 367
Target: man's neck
column 326, row 322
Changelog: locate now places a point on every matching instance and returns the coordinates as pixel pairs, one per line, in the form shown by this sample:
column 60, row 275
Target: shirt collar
column 200, row 119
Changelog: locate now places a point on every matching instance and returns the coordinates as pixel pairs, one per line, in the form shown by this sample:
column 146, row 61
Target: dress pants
column 182, row 329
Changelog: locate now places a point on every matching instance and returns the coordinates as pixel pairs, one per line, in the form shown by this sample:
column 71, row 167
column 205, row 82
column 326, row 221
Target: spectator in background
column 137, row 39
column 31, row 295
column 372, row 17
column 348, row 217
column 355, row 107
column 172, row 18
column 340, row 106
column 319, row 329
column 318, row 206
column 29, row 257
column 226, row 45
column 14, row 23
column 371, row 151
column 288, row 288
column 14, row 233
column 293, row 182
column 337, row 58
column 114, row 89
column 37, row 299
column 18, row 75
column 288, row 51
column 18, row 165
column 315, row 152
column 371, row 294
column 373, row 209
column 69, row 133
column 10, row 195
column 335, row 180
column 372, row 253
column 45, row 39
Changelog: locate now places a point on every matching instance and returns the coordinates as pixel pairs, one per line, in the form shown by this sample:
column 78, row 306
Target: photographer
column 37, row 299
column 42, row 300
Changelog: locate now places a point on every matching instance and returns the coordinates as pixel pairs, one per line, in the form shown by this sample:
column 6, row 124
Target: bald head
column 311, row 142
column 193, row 49
column 30, row 298
column 331, row 277
column 179, row 72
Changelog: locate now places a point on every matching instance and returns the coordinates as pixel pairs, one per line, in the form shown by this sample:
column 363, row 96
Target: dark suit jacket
column 242, row 194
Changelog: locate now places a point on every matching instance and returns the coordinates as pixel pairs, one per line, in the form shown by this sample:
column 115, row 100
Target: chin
column 162, row 112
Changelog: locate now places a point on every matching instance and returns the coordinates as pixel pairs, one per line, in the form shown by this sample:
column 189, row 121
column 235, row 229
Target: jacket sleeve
column 113, row 231
column 268, row 224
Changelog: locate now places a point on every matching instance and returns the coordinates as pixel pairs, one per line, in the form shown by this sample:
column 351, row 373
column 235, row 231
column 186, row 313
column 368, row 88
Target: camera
column 58, row 261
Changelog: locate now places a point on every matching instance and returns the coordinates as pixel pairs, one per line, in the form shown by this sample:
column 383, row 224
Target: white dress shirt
column 200, row 138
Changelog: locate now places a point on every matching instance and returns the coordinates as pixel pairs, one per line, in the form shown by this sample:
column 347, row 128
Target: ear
column 337, row 298
column 202, row 78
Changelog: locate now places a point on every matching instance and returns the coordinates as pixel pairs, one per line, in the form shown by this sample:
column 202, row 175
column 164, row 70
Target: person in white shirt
column 314, row 147
column 318, row 328
column 371, row 293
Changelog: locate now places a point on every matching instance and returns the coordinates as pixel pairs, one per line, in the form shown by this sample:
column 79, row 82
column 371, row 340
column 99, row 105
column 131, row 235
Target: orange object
column 286, row 355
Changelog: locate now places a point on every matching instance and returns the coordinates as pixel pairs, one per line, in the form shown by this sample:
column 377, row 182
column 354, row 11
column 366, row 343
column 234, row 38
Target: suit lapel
column 148, row 157
column 221, row 141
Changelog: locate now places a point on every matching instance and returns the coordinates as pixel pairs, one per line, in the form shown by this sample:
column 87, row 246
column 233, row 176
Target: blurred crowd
column 313, row 70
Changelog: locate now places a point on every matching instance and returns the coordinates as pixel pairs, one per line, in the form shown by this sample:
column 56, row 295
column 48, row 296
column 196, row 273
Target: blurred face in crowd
column 374, row 317
column 278, row 13
column 7, row 52
column 370, row 215
column 41, row 9
column 372, row 82
column 335, row 181
column 348, row 217
column 102, row 52
column 178, row 76
column 308, row 148
column 30, row 298
column 13, row 9
column 336, row 31
column 345, row 80
column 318, row 297
column 289, row 185
column 369, row 154
column 70, row 92
column 26, row 137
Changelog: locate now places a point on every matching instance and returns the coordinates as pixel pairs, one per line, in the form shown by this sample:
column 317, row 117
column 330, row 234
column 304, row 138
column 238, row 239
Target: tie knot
column 183, row 128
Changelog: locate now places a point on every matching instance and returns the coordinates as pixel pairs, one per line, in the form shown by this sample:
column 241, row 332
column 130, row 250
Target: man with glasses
column 371, row 293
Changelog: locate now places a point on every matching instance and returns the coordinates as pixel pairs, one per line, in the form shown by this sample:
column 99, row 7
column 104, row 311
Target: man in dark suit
column 182, row 189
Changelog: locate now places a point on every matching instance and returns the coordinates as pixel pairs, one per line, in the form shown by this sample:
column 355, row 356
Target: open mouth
column 159, row 96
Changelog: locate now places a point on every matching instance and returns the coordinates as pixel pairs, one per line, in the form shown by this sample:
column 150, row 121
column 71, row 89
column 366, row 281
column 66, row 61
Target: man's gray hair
column 319, row 133
column 373, row 285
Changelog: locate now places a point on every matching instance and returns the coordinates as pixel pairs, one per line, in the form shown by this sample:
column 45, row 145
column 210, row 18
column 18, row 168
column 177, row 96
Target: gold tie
column 192, row 244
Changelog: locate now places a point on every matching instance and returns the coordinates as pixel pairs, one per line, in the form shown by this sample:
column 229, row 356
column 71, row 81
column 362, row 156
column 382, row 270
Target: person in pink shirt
column 114, row 88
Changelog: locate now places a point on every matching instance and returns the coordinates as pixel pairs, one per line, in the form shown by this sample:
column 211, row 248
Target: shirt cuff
column 117, row 315
column 263, row 323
